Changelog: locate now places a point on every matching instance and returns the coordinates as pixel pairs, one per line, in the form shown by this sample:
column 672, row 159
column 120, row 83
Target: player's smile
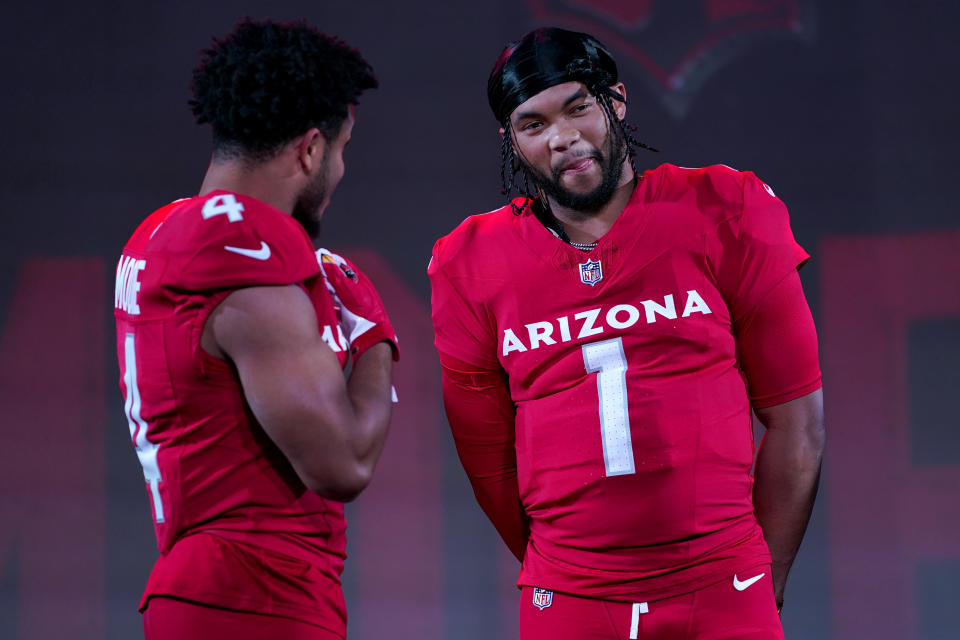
column 581, row 173
column 580, row 166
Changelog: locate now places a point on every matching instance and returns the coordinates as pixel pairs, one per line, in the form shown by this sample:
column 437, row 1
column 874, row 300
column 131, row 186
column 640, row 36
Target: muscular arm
column 786, row 478
column 331, row 430
column 481, row 416
column 778, row 350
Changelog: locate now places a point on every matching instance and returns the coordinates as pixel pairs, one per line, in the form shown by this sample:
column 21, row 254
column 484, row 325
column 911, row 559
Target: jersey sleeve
column 460, row 326
column 777, row 345
column 482, row 420
column 256, row 246
column 477, row 401
column 755, row 249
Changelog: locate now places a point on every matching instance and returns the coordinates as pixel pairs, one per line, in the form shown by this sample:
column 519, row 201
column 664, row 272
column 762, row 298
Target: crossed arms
column 332, row 430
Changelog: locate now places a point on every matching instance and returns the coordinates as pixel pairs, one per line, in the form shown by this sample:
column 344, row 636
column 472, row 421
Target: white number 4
column 223, row 204
column 607, row 360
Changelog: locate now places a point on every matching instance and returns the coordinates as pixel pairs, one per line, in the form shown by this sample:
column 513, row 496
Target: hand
column 779, row 577
column 362, row 314
column 778, row 588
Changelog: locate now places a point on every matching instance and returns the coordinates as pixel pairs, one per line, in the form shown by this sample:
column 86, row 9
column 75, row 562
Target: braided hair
column 541, row 59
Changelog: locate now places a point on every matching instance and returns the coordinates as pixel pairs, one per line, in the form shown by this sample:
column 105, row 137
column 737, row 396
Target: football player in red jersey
column 233, row 336
column 604, row 340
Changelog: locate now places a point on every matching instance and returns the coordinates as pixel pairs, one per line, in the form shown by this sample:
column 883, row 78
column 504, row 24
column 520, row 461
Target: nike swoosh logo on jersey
column 740, row 586
column 257, row 254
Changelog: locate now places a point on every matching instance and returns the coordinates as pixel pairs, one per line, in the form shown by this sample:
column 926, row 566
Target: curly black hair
column 266, row 82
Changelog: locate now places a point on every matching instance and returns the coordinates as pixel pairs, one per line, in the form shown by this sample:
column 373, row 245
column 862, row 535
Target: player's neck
column 260, row 181
column 583, row 227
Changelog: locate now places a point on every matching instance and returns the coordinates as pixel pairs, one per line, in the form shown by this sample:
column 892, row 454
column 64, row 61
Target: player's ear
column 310, row 147
column 620, row 106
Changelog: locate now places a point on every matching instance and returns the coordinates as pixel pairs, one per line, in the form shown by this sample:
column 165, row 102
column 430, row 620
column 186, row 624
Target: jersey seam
column 613, row 625
column 798, row 391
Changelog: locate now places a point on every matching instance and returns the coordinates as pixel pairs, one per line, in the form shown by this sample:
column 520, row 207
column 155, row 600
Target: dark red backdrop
column 847, row 109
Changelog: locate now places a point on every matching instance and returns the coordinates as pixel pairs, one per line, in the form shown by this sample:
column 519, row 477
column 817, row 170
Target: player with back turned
column 604, row 339
column 233, row 336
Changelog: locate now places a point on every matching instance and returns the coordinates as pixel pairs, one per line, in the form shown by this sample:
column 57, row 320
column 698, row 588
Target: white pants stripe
column 638, row 608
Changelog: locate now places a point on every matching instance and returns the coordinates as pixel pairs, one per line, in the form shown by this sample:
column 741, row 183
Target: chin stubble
column 588, row 203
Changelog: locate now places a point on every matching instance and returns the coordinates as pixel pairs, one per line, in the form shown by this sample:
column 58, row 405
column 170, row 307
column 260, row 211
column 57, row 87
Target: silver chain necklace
column 559, row 233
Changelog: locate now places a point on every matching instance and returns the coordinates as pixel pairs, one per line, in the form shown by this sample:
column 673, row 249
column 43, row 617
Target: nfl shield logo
column 591, row 272
column 542, row 598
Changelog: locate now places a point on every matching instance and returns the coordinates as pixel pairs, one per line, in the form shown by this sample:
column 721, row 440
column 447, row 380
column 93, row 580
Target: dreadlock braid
column 605, row 96
column 509, row 168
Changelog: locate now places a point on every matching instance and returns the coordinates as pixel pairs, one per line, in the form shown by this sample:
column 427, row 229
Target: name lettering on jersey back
column 339, row 343
column 128, row 284
column 592, row 322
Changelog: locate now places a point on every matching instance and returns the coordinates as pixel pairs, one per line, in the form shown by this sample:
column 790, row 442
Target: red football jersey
column 633, row 428
column 225, row 500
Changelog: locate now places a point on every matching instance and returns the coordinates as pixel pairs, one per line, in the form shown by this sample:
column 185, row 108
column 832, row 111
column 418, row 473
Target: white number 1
column 146, row 450
column 607, row 360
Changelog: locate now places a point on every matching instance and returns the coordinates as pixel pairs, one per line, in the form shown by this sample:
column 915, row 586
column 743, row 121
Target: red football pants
column 721, row 611
column 173, row 619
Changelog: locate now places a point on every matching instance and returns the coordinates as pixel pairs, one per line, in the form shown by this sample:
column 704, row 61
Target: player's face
column 313, row 200
column 565, row 141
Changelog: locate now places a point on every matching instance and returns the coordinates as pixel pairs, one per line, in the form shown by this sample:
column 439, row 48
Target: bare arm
column 778, row 349
column 331, row 430
column 786, row 478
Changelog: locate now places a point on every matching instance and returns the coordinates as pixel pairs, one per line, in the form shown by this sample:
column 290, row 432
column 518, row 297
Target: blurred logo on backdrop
column 678, row 44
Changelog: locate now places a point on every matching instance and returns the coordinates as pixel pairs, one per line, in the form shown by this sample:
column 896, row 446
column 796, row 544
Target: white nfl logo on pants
column 542, row 598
